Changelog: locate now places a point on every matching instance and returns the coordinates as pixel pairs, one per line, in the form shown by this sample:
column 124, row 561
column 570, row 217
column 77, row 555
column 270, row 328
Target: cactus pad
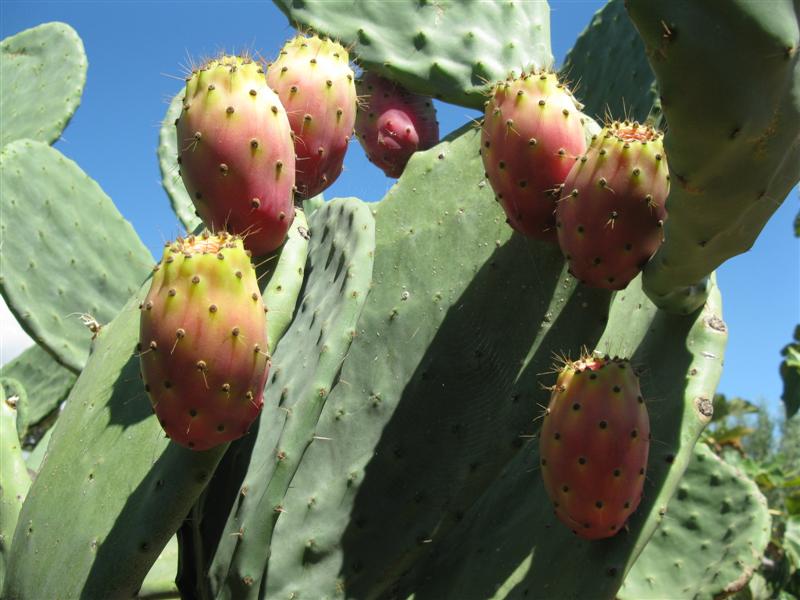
column 58, row 291
column 733, row 147
column 305, row 375
column 609, row 67
column 449, row 50
column 46, row 382
column 43, row 70
column 170, row 169
column 711, row 539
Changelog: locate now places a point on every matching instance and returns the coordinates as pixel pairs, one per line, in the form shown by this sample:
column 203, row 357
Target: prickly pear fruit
column 393, row 123
column 314, row 80
column 203, row 341
column 236, row 153
column 593, row 445
column 611, row 215
column 532, row 132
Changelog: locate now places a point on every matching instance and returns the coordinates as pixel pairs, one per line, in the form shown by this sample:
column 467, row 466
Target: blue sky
column 137, row 49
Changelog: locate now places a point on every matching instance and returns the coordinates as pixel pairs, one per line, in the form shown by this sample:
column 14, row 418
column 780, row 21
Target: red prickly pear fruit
column 393, row 123
column 313, row 78
column 532, row 131
column 610, row 219
column 236, row 152
column 203, row 341
column 593, row 445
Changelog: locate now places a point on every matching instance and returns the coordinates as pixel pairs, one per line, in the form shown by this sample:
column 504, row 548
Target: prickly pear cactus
column 532, row 134
column 594, row 443
column 313, row 78
column 610, row 219
column 398, row 453
column 235, row 152
column 203, row 341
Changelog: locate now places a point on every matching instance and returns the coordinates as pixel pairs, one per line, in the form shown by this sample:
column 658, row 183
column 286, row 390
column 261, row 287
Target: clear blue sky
column 135, row 49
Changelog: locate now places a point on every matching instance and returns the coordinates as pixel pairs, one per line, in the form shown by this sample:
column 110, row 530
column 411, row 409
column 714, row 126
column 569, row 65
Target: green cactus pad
column 610, row 68
column 43, row 70
column 306, row 370
column 679, row 360
column 168, row 163
column 281, row 277
column 124, row 487
column 14, row 480
column 74, row 254
column 445, row 49
column 731, row 98
column 46, row 382
column 711, row 539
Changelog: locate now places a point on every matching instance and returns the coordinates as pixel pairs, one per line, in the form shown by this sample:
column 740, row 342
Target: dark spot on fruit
column 581, row 460
column 616, row 389
column 544, row 462
column 592, row 375
column 192, row 412
column 617, row 473
column 576, row 406
column 640, row 400
column 557, row 436
column 599, row 504
column 634, row 434
column 603, row 424
column 626, row 505
column 220, row 427
column 565, row 489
